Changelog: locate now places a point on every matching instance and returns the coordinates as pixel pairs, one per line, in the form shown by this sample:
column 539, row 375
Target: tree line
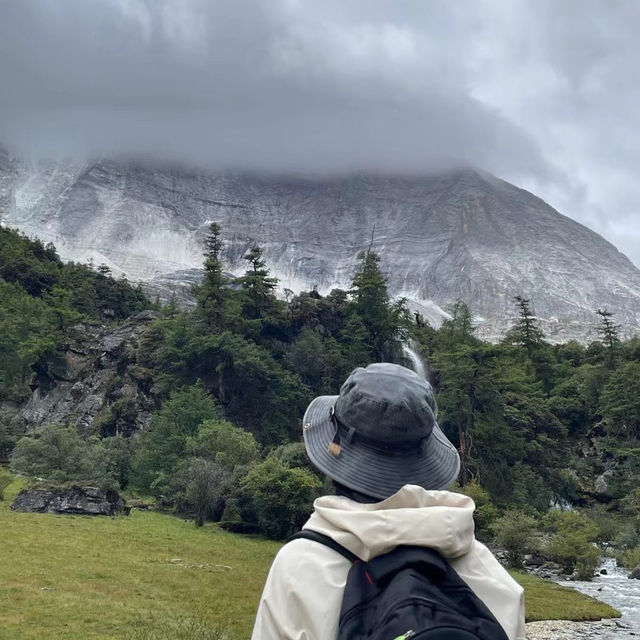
column 232, row 377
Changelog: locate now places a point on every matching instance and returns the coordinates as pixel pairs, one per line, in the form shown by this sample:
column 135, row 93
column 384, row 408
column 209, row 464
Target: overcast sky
column 543, row 93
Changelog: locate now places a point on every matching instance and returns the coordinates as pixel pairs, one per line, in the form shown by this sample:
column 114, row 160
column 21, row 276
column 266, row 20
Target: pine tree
column 464, row 373
column 371, row 302
column 210, row 293
column 529, row 336
column 459, row 327
column 527, row 332
column 608, row 332
column 213, row 243
column 257, row 284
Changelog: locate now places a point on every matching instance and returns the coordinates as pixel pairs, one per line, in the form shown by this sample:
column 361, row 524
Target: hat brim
column 373, row 472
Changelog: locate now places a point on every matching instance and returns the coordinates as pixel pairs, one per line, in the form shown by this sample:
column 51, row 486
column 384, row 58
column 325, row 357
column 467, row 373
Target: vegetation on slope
column 41, row 297
column 535, row 424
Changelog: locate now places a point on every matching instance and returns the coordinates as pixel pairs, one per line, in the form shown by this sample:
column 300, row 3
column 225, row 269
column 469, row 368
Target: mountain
column 459, row 234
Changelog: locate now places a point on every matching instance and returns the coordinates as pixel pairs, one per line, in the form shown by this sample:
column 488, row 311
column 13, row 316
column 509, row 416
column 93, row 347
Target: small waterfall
column 413, row 356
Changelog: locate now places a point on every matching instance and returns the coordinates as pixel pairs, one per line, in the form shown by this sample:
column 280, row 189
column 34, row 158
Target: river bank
column 617, row 590
column 567, row 630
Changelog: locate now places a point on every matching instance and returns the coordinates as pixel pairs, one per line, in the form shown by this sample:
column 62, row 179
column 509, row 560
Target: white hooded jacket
column 303, row 593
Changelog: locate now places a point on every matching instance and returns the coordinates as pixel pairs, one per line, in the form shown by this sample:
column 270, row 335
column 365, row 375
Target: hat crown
column 387, row 403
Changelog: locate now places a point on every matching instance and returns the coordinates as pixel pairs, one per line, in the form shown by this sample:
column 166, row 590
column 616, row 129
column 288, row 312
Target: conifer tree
column 608, row 332
column 371, row 302
column 529, row 336
column 257, row 283
column 210, row 293
column 527, row 332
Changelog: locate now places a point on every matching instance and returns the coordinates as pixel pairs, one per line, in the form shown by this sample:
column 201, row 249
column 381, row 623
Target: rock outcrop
column 74, row 500
column 461, row 234
column 95, row 370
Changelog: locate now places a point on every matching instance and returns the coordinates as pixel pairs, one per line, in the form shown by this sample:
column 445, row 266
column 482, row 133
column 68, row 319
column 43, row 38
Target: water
column 414, row 357
column 618, row 591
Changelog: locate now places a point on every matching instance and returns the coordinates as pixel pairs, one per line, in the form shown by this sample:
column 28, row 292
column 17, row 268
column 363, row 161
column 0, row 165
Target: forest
column 549, row 435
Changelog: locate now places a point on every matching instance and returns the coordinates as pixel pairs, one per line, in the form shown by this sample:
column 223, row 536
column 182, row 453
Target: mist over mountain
column 458, row 234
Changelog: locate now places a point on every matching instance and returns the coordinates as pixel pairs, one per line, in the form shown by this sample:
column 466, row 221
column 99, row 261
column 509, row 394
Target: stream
column 618, row 591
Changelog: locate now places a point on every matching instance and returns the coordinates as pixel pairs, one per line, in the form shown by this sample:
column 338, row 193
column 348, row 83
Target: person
column 390, row 463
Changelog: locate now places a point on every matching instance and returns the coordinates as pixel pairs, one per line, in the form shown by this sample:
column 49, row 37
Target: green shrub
column 573, row 542
column 224, row 443
column 61, row 455
column 485, row 513
column 628, row 537
column 200, row 487
column 608, row 526
column 162, row 445
column 5, row 481
column 516, row 533
column 631, row 558
column 294, row 454
column 574, row 552
column 556, row 521
column 281, row 498
column 12, row 428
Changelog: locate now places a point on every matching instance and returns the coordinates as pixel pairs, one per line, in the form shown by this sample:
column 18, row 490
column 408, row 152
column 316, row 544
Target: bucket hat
column 380, row 433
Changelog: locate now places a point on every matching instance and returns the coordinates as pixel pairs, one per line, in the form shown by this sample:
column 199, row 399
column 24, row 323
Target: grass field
column 151, row 575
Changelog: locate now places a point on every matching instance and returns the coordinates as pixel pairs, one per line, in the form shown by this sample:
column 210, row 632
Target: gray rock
column 601, row 485
column 94, row 373
column 74, row 500
column 635, row 574
column 457, row 235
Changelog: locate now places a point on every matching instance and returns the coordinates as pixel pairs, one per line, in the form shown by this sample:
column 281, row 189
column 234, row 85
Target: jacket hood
column 441, row 520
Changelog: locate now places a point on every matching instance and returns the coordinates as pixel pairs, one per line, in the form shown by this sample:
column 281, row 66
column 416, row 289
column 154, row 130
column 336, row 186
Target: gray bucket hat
column 380, row 433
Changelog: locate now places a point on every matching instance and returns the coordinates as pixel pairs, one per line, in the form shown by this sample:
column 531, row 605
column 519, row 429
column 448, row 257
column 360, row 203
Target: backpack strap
column 315, row 536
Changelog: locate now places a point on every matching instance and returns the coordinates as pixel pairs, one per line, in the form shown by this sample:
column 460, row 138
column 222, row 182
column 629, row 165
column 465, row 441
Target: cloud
column 278, row 85
column 541, row 93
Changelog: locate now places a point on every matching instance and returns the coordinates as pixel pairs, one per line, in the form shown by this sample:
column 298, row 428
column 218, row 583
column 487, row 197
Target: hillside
column 457, row 235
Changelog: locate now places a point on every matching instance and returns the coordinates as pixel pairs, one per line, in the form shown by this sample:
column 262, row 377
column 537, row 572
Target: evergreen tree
column 371, row 303
column 527, row 333
column 210, row 293
column 620, row 402
column 466, row 390
column 608, row 332
column 257, row 284
column 461, row 324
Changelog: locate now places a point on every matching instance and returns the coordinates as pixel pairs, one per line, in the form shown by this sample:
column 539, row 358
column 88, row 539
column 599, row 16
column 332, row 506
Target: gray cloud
column 279, row 85
column 543, row 93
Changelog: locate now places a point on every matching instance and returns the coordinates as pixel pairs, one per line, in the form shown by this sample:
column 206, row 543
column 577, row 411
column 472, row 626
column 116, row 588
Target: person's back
column 303, row 594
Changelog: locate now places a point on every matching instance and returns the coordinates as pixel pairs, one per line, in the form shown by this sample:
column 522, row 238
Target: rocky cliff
column 461, row 234
column 95, row 373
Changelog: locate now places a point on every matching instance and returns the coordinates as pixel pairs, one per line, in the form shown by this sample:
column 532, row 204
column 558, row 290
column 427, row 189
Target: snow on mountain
column 457, row 235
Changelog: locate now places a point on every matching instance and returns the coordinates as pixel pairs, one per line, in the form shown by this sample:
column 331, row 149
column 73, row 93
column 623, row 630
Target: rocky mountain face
column 458, row 235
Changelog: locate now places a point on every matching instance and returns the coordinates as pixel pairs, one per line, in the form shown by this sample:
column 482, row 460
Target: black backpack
column 410, row 592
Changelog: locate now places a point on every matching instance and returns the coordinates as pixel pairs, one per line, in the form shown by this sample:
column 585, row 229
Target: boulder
column 77, row 500
column 534, row 560
column 635, row 573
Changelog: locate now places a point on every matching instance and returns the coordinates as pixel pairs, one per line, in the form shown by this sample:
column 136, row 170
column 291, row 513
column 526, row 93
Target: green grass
column 155, row 576
column 93, row 577
column 547, row 600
